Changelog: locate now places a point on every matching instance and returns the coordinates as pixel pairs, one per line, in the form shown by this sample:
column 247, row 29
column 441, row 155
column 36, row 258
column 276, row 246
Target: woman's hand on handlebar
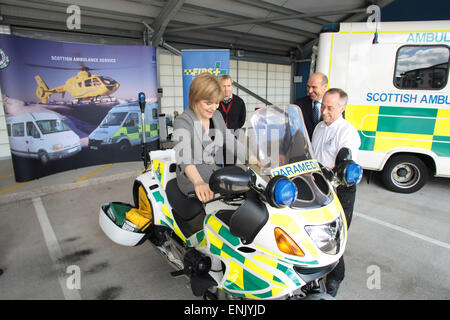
column 203, row 192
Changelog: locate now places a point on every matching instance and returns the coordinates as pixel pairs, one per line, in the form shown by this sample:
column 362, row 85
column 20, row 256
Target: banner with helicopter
column 70, row 105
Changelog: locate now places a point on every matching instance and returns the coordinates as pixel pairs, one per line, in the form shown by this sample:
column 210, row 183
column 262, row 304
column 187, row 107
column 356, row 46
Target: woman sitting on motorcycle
column 199, row 135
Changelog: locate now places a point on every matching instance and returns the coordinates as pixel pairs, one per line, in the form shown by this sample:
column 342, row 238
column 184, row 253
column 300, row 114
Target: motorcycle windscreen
column 275, row 136
column 277, row 143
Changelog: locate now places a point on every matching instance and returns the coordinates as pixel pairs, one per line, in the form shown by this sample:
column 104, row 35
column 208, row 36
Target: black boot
column 332, row 287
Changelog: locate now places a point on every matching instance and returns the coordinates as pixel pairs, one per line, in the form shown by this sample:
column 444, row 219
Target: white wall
column 270, row 81
column 171, row 81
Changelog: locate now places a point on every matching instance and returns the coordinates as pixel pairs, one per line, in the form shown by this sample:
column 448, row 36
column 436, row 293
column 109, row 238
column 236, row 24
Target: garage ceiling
column 273, row 29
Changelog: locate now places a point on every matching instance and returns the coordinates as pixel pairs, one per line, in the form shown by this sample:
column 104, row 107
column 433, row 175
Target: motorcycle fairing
column 293, row 222
column 238, row 279
column 266, row 273
column 251, row 275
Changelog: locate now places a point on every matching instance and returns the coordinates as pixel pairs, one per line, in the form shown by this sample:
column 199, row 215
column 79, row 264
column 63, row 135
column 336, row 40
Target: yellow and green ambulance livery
column 122, row 128
column 396, row 77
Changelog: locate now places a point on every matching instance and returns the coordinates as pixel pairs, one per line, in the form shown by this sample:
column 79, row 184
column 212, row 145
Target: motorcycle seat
column 186, row 208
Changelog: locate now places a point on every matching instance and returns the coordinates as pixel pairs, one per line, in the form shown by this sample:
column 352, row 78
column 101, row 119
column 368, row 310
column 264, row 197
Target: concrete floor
column 399, row 245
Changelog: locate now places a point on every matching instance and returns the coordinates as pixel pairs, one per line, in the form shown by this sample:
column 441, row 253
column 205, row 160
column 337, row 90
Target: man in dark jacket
column 232, row 107
column 310, row 104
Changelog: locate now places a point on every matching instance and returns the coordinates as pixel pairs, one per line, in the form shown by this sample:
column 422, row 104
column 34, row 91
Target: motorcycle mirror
column 230, row 180
column 141, row 98
column 343, row 155
column 329, row 174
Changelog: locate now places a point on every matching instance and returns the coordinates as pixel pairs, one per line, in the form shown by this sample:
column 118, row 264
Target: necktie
column 316, row 113
column 227, row 100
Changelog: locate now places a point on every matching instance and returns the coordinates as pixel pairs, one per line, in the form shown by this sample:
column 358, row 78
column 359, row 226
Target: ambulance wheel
column 43, row 156
column 404, row 174
column 124, row 146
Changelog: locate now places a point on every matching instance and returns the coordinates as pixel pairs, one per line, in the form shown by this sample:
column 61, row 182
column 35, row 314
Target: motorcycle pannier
column 123, row 223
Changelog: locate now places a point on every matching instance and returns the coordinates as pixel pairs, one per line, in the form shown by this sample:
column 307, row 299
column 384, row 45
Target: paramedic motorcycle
column 275, row 228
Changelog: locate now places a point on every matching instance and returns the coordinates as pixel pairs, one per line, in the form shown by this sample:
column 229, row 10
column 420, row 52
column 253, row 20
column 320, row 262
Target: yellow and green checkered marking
column 383, row 128
column 158, row 169
column 172, row 224
column 135, row 132
column 246, row 277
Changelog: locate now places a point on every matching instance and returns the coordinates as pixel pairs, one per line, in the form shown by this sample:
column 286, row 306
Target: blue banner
column 195, row 62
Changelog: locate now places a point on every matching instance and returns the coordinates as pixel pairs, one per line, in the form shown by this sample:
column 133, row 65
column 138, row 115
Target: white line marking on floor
column 54, row 249
column 404, row 230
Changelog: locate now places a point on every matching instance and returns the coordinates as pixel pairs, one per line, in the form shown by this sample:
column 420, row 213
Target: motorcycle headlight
column 328, row 237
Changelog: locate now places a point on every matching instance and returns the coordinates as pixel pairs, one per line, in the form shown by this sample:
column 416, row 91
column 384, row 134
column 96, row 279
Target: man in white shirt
column 330, row 135
column 334, row 132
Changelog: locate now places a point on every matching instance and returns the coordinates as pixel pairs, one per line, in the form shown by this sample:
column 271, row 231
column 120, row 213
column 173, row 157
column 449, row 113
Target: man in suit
column 311, row 104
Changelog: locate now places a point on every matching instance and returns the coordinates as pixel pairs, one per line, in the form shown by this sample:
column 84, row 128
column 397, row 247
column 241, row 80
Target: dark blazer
column 305, row 104
column 236, row 115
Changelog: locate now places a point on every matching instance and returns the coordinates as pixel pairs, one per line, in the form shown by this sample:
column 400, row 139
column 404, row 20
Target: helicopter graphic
column 85, row 86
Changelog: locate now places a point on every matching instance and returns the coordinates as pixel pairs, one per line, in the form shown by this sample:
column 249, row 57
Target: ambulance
column 121, row 128
column 396, row 78
column 41, row 135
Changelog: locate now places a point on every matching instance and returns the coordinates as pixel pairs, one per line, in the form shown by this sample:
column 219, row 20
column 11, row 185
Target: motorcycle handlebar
column 193, row 196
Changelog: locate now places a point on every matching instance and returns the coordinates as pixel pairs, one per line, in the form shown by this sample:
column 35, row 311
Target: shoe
column 332, row 287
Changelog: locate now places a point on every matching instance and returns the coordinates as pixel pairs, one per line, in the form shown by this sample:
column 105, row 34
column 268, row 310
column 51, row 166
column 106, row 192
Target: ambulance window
column 421, row 67
column 8, row 128
column 132, row 120
column 32, row 131
column 18, row 129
